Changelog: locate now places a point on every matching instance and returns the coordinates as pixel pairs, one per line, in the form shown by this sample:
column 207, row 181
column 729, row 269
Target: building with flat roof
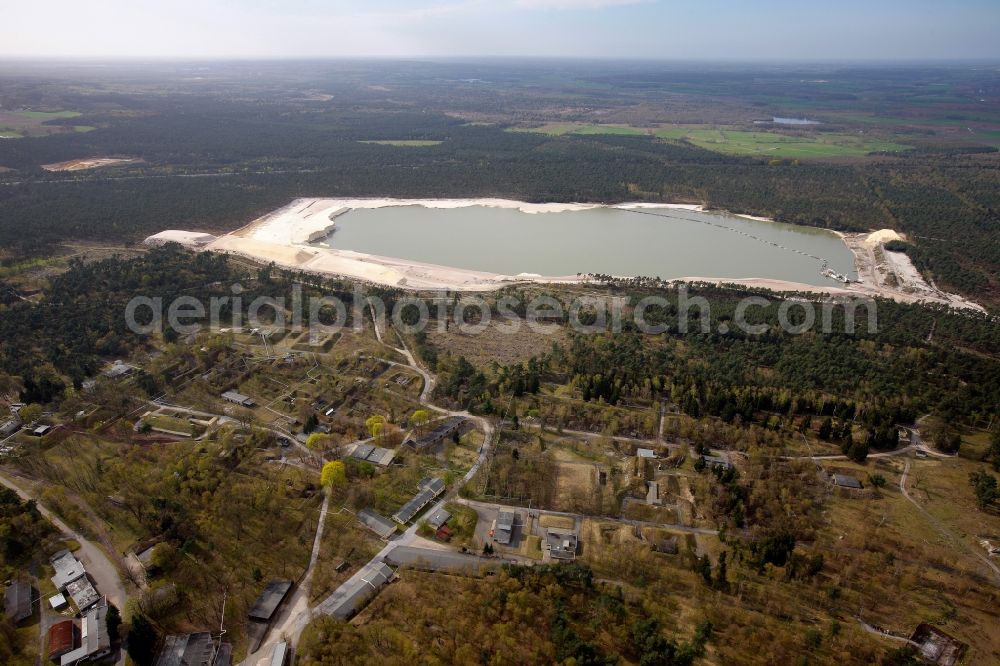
column 67, row 569
column 267, row 603
column 17, row 604
column 504, row 531
column 383, row 527
column 239, row 399
column 376, row 455
column 356, row 591
column 279, row 655
column 645, row 453
column 188, row 650
column 61, row 639
column 10, row 427
column 95, row 642
column 845, row 481
column 561, row 545
column 83, row 593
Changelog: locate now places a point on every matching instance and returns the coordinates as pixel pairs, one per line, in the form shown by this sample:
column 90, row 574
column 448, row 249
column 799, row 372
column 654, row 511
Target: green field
column 558, row 129
column 413, row 143
column 772, row 144
column 19, row 124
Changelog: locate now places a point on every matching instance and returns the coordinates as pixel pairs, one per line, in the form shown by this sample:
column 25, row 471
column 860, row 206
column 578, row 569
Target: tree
column 376, row 426
column 826, row 429
column 877, row 480
column 984, row 486
column 419, row 419
column 993, row 455
column 142, row 638
column 334, row 475
column 721, row 577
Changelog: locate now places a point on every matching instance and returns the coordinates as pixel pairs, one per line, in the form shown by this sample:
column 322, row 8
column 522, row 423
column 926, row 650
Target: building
column 561, row 545
column 57, row 601
column 83, row 593
column 239, row 399
column 444, row 561
column 652, row 492
column 438, row 518
column 383, row 527
column 444, row 429
column 375, row 455
column 645, row 453
column 263, row 610
column 67, row 569
column 17, row 604
column 61, row 639
column 279, row 655
column 188, row 650
column 8, row 428
column 269, row 600
column 95, row 642
column 504, row 531
column 716, row 461
column 41, row 431
column 937, row 647
column 429, row 489
column 356, row 591
column 845, row 481
column 119, row 369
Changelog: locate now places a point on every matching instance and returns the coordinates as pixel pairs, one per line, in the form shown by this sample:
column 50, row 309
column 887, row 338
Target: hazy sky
column 714, row 29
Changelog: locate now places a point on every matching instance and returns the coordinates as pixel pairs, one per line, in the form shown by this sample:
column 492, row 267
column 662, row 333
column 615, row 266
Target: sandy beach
column 285, row 237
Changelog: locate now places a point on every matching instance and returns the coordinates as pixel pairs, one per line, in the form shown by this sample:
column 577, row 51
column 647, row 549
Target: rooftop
column 17, row 601
column 356, row 591
column 438, row 518
column 269, row 600
column 187, row 650
column 846, row 481
column 383, row 527
column 94, row 638
column 67, row 569
column 83, row 593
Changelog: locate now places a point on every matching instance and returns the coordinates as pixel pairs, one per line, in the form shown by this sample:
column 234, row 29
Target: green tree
column 984, row 486
column 334, row 475
column 376, row 426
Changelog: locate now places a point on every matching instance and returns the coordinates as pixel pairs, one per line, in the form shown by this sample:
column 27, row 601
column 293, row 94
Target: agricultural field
column 772, row 144
column 20, row 124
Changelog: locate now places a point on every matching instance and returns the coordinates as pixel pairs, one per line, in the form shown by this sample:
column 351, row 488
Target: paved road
column 100, row 567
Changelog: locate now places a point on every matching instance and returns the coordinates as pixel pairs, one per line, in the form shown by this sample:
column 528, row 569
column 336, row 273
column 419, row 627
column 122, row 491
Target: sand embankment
column 285, row 237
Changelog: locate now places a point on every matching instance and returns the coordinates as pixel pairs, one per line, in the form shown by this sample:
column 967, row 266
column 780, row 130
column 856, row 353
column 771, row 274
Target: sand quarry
column 285, row 237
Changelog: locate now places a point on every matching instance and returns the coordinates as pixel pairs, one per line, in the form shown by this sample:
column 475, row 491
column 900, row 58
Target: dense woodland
column 216, row 155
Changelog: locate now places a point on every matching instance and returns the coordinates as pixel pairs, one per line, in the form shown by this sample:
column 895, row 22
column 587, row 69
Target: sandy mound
column 882, row 236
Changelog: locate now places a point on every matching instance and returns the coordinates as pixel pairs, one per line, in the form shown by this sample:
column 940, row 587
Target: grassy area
column 557, row 522
column 772, row 144
column 415, row 143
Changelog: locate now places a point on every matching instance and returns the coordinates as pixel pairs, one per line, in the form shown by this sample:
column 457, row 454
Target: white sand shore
column 284, row 237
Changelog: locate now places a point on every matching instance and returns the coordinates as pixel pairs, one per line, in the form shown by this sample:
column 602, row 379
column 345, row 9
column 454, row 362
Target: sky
column 657, row 29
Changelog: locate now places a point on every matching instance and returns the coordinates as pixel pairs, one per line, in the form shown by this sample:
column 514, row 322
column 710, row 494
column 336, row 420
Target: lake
column 668, row 243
